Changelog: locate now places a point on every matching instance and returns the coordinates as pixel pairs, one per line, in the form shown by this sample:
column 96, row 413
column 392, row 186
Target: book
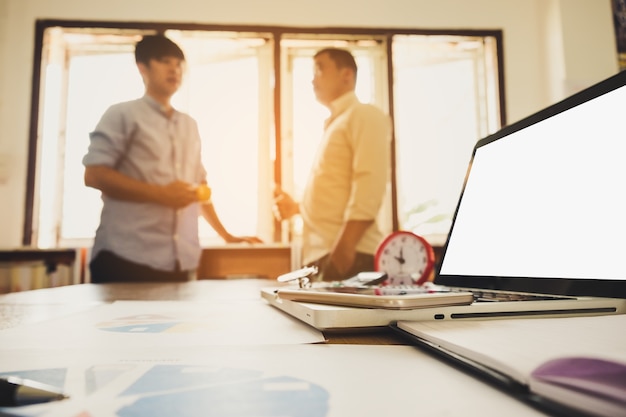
column 567, row 365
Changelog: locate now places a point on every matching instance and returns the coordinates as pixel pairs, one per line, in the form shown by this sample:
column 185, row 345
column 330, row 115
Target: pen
column 305, row 272
column 16, row 391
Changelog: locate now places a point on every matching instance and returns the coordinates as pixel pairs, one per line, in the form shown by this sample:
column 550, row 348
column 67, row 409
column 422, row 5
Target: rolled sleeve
column 109, row 140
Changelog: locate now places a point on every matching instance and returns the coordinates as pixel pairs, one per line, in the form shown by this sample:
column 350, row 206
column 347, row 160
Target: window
column 303, row 120
column 222, row 90
column 445, row 100
column 250, row 91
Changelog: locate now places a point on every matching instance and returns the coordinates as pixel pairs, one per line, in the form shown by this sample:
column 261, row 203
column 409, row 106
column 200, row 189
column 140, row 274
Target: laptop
column 540, row 226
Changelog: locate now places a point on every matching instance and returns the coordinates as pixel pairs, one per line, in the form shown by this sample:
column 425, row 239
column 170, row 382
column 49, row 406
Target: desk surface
column 405, row 377
column 43, row 304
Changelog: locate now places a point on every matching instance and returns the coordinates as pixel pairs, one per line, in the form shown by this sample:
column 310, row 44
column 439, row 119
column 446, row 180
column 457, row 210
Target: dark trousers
column 108, row 267
column 327, row 271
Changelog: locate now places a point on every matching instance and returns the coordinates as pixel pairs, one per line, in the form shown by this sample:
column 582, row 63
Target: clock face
column 406, row 258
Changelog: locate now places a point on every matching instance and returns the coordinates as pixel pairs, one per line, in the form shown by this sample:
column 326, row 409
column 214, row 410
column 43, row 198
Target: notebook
column 542, row 213
column 544, row 362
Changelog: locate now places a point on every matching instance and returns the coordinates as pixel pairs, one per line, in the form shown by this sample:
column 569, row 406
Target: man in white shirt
column 349, row 177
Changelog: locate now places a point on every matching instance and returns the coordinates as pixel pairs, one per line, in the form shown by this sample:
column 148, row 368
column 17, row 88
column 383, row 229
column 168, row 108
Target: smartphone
column 368, row 298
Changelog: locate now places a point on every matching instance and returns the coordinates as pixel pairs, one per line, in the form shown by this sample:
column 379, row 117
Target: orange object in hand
column 203, row 192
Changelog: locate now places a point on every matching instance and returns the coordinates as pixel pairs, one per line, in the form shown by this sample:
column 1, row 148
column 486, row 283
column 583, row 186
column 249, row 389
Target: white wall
column 551, row 48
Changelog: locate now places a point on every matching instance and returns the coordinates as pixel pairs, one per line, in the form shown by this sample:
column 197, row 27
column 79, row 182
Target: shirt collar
column 158, row 106
column 341, row 103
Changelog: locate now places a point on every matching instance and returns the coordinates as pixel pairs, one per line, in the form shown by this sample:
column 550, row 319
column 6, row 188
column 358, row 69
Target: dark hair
column 156, row 47
column 341, row 57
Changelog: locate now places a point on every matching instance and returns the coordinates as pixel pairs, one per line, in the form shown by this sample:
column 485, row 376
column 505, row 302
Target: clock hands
column 400, row 258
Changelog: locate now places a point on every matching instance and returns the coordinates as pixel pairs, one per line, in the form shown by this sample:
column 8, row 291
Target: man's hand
column 284, row 206
column 342, row 259
column 209, row 214
column 239, row 239
column 343, row 252
column 178, row 194
column 114, row 184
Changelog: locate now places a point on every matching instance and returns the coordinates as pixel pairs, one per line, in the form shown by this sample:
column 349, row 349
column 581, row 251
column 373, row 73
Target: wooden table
column 43, row 304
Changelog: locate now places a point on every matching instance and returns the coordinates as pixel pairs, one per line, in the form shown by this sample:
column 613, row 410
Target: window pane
column 308, row 122
column 439, row 93
column 95, row 83
column 227, row 91
column 309, row 114
column 304, row 116
column 223, row 97
column 220, row 90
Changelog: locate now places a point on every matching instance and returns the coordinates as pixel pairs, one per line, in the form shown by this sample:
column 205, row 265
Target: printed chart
column 202, row 391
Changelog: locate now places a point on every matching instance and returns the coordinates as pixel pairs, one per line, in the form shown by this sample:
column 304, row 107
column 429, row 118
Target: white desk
column 238, row 379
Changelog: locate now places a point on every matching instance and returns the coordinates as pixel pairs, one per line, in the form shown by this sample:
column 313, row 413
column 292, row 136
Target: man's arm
column 343, row 253
column 209, row 214
column 176, row 194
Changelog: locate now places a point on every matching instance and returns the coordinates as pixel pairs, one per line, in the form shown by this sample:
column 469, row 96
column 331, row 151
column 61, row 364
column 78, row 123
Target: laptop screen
column 543, row 208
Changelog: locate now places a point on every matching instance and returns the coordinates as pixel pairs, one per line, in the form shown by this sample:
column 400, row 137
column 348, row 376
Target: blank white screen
column 548, row 200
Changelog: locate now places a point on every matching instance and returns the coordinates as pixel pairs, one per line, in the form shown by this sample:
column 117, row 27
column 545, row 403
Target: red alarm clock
column 408, row 259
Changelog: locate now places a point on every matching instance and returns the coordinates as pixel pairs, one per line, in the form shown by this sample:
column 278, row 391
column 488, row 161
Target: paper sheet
column 269, row 381
column 165, row 324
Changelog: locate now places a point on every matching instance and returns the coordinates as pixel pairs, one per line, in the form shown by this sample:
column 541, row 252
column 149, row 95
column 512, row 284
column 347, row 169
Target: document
column 241, row 381
column 575, row 362
column 165, row 324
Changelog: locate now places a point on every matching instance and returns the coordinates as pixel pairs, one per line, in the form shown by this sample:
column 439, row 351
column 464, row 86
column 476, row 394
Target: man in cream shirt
column 349, row 177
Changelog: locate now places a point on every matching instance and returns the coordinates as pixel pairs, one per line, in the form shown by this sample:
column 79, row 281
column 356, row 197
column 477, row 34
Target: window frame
column 277, row 32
